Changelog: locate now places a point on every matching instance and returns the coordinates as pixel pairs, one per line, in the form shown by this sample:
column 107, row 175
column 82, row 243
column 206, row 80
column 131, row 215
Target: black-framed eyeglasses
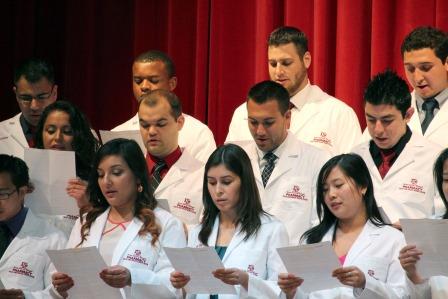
column 26, row 99
column 6, row 195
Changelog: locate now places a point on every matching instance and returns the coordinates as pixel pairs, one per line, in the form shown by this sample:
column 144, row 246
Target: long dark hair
column 438, row 177
column 354, row 167
column 145, row 203
column 84, row 144
column 248, row 208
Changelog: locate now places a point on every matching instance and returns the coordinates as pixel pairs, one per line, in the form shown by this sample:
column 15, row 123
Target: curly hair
column 84, row 144
column 145, row 203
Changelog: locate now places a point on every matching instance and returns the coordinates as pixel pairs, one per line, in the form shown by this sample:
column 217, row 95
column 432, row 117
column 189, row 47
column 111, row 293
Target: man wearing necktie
column 24, row 237
column 285, row 167
column 424, row 52
column 400, row 161
column 175, row 175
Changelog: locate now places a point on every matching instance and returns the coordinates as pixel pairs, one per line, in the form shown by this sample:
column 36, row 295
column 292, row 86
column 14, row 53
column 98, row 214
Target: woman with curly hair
column 124, row 222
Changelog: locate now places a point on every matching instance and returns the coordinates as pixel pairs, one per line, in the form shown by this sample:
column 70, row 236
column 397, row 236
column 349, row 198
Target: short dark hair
column 438, row 177
column 249, row 208
column 285, row 35
column 152, row 98
column 390, row 89
column 426, row 37
column 17, row 169
column 268, row 90
column 33, row 70
column 354, row 167
column 84, row 144
column 154, row 55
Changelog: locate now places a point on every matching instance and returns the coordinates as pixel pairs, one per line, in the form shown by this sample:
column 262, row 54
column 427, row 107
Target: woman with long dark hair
column 435, row 287
column 124, row 222
column 234, row 223
column 350, row 219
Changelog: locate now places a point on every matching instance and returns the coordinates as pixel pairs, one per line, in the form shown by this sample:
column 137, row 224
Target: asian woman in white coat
column 366, row 247
column 64, row 127
column 234, row 223
column 124, row 222
column 435, row 287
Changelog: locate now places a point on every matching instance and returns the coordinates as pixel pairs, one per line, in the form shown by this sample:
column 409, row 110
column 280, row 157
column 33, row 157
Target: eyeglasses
column 27, row 99
column 6, row 195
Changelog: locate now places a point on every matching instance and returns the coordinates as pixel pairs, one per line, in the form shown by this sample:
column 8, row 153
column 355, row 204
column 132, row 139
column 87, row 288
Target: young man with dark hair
column 424, row 52
column 155, row 70
column 35, row 89
column 175, row 175
column 400, row 161
column 24, row 237
column 316, row 117
column 285, row 168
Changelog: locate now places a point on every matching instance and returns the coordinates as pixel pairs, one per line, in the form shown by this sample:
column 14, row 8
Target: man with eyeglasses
column 24, row 237
column 35, row 89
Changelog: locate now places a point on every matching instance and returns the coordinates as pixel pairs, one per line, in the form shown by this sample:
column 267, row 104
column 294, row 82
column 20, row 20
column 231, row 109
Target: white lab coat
column 323, row 121
column 290, row 193
column 25, row 264
column 180, row 191
column 257, row 255
column 438, row 128
column 408, row 189
column 155, row 268
column 12, row 140
column 375, row 253
column 434, row 288
column 195, row 136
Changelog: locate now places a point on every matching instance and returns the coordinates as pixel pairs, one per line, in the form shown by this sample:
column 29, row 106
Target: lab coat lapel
column 96, row 230
column 129, row 234
column 363, row 241
column 287, row 159
column 440, row 119
column 238, row 237
column 406, row 157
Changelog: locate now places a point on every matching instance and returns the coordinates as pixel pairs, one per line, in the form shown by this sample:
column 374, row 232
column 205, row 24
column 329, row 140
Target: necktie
column 429, row 105
column 267, row 171
column 4, row 239
column 156, row 177
column 386, row 164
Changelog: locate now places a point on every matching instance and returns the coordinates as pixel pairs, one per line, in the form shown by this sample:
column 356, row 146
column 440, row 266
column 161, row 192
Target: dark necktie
column 386, row 163
column 156, row 176
column 429, row 105
column 4, row 239
column 269, row 167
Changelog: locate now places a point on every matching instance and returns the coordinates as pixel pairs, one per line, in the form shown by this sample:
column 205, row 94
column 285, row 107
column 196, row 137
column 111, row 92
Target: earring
column 140, row 188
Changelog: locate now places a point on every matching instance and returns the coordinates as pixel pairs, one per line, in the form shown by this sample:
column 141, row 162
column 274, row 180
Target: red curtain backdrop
column 219, row 47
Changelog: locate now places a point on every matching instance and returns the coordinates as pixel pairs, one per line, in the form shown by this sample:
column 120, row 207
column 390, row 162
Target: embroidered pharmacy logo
column 322, row 139
column 251, row 270
column 22, row 270
column 136, row 257
column 413, row 186
column 371, row 273
column 186, row 206
column 71, row 217
column 295, row 193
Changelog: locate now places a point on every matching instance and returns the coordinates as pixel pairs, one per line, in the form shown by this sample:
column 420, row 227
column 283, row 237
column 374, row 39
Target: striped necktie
column 429, row 105
column 269, row 167
column 156, row 177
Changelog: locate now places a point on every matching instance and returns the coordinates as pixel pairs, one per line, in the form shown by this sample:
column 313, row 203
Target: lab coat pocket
column 252, row 261
column 294, row 192
column 25, row 271
column 375, row 267
column 186, row 205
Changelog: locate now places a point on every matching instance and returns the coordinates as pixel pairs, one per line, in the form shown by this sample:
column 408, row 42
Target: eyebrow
column 223, row 177
column 382, row 117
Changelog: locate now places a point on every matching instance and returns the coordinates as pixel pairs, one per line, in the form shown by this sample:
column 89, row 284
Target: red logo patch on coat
column 22, row 270
column 322, row 139
column 136, row 258
column 413, row 186
column 186, row 206
column 295, row 193
column 251, row 270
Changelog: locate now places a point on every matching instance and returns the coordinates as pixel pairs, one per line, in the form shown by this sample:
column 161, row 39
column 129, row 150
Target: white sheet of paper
column 312, row 262
column 132, row 134
column 49, row 172
column 431, row 237
column 83, row 265
column 159, row 291
column 199, row 263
